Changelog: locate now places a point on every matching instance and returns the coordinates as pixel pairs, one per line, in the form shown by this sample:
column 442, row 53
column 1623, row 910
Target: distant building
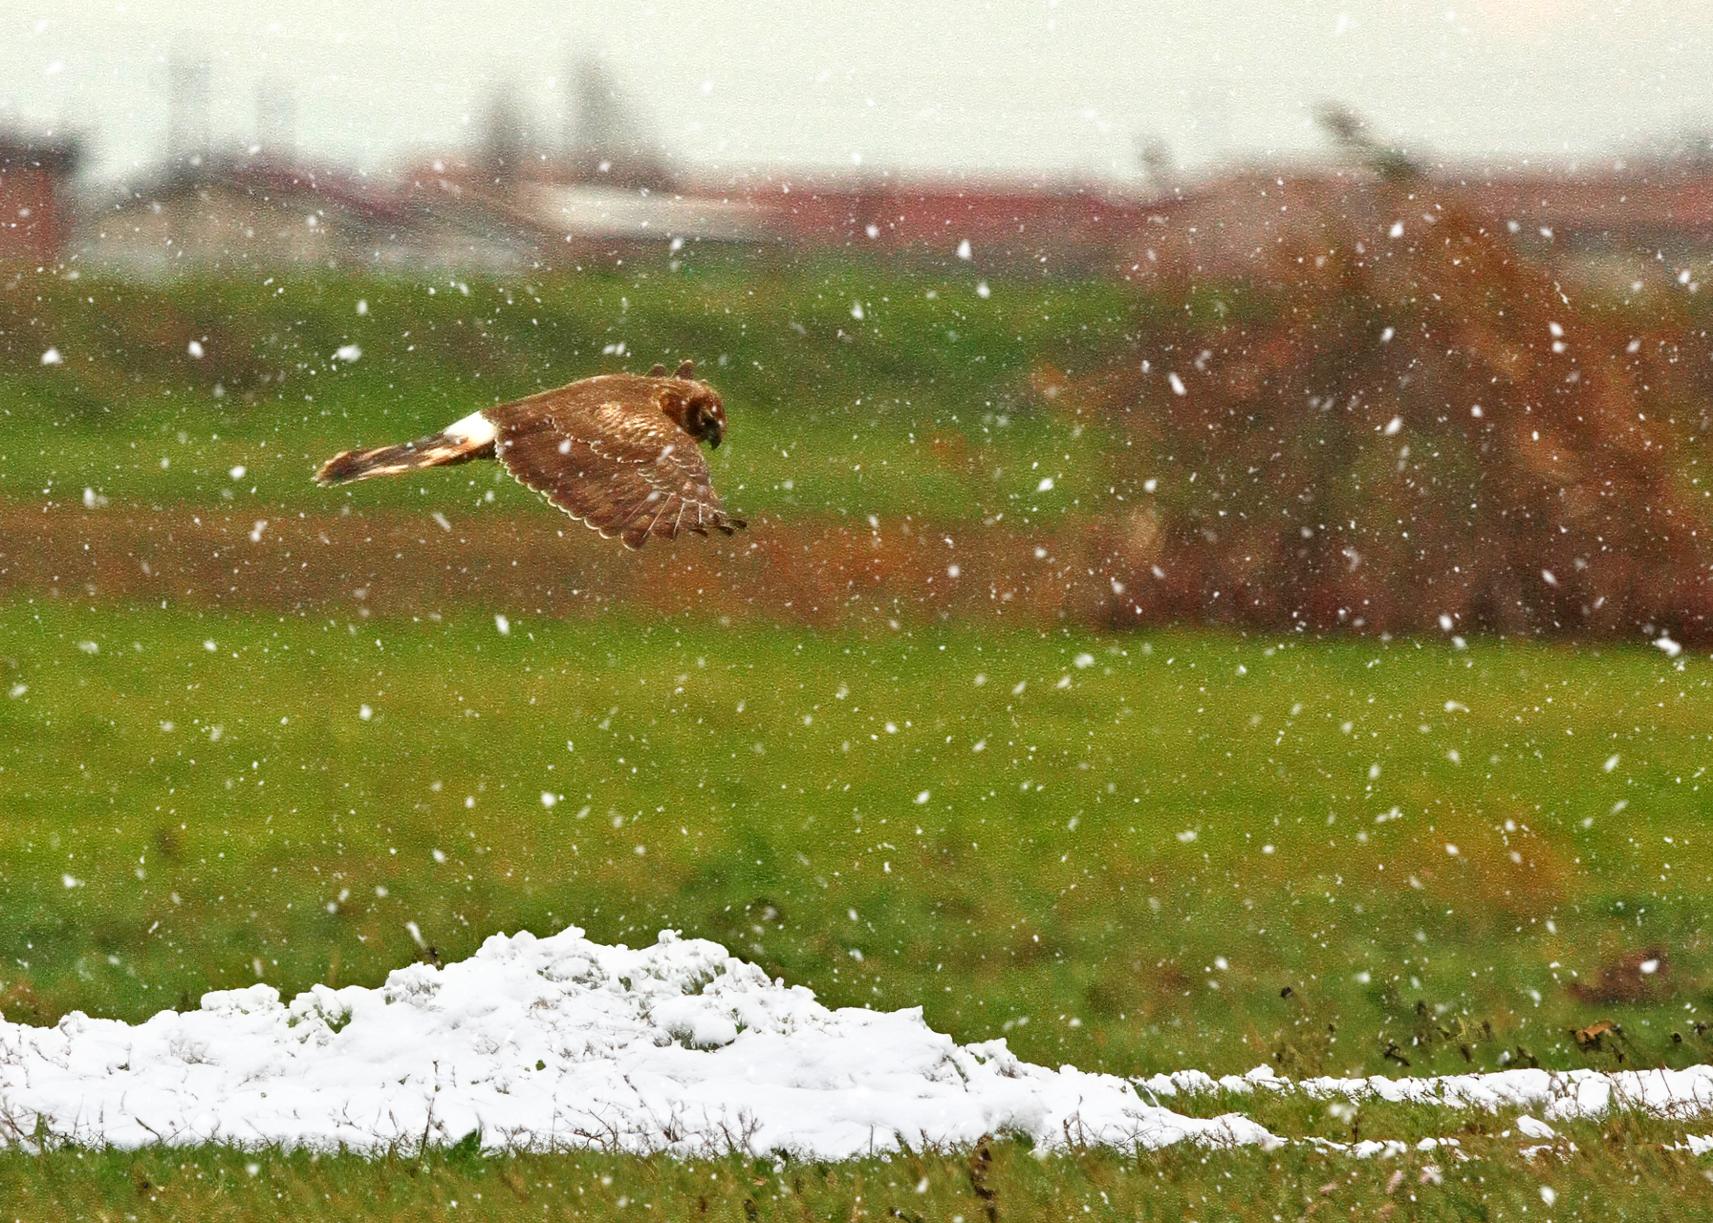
column 1605, row 224
column 567, row 221
column 1037, row 224
column 1615, row 221
column 587, row 221
column 210, row 215
column 36, row 199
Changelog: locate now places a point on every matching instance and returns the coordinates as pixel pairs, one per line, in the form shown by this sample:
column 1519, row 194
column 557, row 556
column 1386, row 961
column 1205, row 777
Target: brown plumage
column 618, row 452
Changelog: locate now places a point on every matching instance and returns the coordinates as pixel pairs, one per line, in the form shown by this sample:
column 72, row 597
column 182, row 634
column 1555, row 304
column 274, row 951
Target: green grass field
column 1000, row 1180
column 925, row 403
column 1132, row 852
column 1056, row 837
column 1000, row 825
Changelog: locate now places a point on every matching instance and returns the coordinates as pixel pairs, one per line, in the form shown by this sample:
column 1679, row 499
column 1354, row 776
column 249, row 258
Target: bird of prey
column 618, row 452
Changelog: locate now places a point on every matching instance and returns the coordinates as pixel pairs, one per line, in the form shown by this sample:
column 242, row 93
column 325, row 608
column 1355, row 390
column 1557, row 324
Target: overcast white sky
column 1063, row 86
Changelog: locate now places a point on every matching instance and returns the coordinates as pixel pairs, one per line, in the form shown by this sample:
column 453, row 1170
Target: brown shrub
column 1386, row 430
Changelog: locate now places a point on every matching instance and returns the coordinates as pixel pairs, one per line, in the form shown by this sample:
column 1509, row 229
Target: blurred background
column 1284, row 429
column 1398, row 287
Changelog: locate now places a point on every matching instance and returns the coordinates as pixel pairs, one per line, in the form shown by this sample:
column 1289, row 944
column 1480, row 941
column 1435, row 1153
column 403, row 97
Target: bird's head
column 704, row 415
column 695, row 406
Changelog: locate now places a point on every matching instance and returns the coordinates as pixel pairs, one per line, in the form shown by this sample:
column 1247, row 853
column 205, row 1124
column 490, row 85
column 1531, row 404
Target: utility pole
column 188, row 136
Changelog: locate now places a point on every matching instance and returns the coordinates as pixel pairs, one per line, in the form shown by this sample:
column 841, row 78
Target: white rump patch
column 475, row 428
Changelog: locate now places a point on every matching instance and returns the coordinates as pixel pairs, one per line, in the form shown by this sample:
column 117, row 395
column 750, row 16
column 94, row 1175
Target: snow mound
column 559, row 1042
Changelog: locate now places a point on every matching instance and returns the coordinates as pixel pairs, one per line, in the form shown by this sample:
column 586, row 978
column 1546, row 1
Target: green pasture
column 1116, row 851
column 926, row 404
column 1000, row 826
column 1486, row 1179
column 1133, row 852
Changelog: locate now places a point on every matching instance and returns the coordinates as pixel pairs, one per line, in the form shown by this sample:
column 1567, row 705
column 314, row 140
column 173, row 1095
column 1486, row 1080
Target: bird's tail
column 440, row 450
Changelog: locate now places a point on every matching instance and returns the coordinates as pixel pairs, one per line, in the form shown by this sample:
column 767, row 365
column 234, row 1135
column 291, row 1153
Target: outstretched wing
column 605, row 453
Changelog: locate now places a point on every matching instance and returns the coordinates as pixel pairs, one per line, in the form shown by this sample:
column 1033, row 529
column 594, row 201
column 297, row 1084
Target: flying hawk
column 617, row 452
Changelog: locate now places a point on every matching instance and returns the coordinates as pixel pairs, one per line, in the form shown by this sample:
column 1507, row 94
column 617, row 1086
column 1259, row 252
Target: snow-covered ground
column 1561, row 1095
column 558, row 1042
column 562, row 1042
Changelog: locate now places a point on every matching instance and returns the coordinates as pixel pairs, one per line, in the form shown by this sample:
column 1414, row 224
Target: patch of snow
column 1561, row 1095
column 1535, row 1128
column 559, row 1042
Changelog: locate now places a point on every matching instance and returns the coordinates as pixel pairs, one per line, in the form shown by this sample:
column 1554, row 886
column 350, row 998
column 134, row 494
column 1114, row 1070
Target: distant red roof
column 35, row 198
column 1007, row 222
